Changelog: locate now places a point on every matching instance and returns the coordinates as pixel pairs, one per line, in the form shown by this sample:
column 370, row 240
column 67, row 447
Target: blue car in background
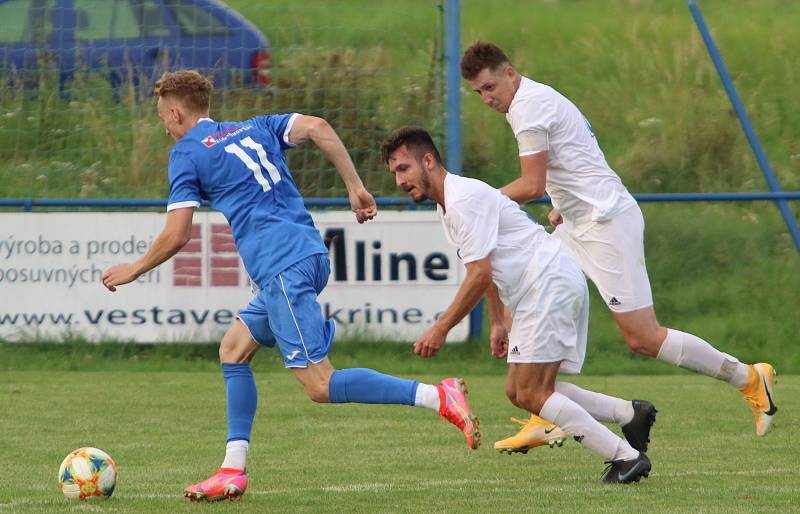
column 131, row 40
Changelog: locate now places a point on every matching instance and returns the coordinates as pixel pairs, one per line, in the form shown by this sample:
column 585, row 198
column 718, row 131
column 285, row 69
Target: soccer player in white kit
column 509, row 256
column 599, row 221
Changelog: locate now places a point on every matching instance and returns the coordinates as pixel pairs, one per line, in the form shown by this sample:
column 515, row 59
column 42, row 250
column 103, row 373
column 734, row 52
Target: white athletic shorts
column 611, row 253
column 551, row 320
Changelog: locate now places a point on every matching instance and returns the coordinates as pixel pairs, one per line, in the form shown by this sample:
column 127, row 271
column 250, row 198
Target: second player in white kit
column 600, row 212
column 599, row 221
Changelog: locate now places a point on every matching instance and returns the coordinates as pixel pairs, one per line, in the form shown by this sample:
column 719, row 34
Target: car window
column 26, row 20
column 151, row 18
column 196, row 21
column 105, row 19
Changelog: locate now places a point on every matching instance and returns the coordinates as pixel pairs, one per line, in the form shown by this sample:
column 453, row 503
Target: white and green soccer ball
column 86, row 473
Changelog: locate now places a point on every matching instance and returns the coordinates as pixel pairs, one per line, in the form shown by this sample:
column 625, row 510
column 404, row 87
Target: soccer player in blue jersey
column 241, row 169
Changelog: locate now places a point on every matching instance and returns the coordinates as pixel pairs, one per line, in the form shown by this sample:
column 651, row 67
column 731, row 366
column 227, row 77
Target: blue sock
column 362, row 385
column 242, row 399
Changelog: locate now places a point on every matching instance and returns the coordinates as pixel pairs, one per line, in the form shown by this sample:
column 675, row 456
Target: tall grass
column 87, row 138
column 641, row 74
column 637, row 69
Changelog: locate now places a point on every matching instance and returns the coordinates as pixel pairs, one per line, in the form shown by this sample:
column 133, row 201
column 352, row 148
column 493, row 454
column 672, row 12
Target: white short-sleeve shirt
column 580, row 182
column 483, row 222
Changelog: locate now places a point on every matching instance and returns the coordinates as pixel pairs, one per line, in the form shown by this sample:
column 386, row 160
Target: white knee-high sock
column 236, row 454
column 585, row 429
column 692, row 353
column 602, row 407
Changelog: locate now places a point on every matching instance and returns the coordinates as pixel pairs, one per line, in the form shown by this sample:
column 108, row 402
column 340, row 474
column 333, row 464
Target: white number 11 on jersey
column 248, row 161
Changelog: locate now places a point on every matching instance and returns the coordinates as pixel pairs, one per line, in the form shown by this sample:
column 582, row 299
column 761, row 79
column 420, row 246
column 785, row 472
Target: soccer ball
column 86, row 473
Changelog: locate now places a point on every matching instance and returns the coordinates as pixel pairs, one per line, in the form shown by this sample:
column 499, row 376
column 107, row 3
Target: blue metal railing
column 29, row 204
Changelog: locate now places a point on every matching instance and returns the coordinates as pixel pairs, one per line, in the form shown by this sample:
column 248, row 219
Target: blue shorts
column 287, row 312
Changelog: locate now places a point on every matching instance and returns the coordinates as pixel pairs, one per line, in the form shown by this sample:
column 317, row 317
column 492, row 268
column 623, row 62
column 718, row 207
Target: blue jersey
column 240, row 168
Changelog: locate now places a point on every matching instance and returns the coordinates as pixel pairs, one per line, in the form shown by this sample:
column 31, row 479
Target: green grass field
column 638, row 70
column 167, row 429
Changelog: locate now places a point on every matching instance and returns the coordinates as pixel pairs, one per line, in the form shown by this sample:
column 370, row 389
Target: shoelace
column 526, row 422
column 609, row 464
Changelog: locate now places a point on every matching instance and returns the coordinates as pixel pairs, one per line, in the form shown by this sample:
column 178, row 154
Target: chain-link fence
column 77, row 119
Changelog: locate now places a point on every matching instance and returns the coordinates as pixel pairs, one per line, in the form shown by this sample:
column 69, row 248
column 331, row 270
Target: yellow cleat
column 535, row 432
column 758, row 393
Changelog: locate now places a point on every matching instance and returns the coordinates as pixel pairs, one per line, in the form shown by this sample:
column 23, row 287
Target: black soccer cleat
column 626, row 471
column 637, row 431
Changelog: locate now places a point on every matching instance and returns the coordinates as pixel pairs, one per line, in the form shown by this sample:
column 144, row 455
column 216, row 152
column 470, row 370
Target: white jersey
column 580, row 182
column 483, row 222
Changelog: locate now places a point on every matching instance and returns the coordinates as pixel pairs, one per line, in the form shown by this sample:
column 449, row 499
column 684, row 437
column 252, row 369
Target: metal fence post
column 453, row 115
column 453, row 94
column 752, row 138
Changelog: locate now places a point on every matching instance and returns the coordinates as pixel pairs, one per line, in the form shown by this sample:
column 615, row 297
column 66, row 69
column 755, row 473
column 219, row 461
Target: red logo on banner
column 224, row 268
column 221, row 267
column 187, row 266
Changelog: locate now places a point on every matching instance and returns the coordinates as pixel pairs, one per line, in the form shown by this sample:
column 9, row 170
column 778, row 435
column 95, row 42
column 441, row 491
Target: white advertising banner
column 390, row 278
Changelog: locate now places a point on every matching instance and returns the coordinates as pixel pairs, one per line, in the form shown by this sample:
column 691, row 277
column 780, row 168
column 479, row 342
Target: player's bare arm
column 176, row 233
column 533, row 177
column 324, row 136
column 479, row 277
column 498, row 333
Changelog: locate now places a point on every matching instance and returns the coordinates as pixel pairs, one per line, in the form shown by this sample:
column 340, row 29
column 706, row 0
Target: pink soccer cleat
column 226, row 483
column 454, row 408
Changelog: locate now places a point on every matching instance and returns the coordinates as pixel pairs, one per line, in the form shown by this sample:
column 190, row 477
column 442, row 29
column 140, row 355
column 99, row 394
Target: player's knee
column 511, row 393
column 232, row 353
column 643, row 344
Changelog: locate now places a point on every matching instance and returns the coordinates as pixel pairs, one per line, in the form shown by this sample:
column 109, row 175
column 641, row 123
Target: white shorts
column 551, row 320
column 611, row 253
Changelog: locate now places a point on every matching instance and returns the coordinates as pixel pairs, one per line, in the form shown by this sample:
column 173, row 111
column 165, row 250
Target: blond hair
column 189, row 86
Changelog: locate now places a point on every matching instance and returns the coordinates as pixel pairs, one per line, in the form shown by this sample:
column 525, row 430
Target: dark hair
column 416, row 139
column 188, row 86
column 480, row 56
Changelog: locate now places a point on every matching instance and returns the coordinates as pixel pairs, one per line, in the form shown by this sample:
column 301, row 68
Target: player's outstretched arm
column 533, row 177
column 176, row 233
column 479, row 277
column 322, row 134
column 498, row 332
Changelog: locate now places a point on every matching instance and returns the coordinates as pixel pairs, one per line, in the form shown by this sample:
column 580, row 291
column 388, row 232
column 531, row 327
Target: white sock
column 427, row 396
column 692, row 353
column 578, row 423
column 236, row 454
column 625, row 451
column 607, row 409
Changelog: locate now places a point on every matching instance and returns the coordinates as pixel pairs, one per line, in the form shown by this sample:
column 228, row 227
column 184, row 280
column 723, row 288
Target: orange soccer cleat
column 535, row 432
column 225, row 483
column 454, row 408
column 758, row 393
